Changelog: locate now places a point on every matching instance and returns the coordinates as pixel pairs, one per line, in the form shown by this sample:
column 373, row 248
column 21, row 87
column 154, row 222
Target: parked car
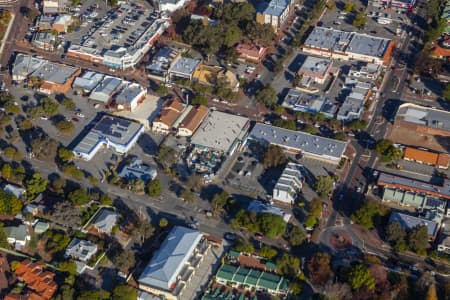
column 259, row 235
column 229, row 236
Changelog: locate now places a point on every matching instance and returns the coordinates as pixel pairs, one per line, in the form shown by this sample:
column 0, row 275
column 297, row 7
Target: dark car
column 259, row 235
column 75, row 119
column 229, row 236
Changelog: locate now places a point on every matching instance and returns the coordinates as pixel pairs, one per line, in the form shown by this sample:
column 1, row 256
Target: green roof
column 270, row 265
column 226, row 272
column 240, row 275
column 234, row 254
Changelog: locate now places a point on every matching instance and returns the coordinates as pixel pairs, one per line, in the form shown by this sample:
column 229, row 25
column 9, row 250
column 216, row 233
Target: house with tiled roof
column 170, row 113
column 192, row 120
column 251, row 52
column 27, row 296
column 37, row 279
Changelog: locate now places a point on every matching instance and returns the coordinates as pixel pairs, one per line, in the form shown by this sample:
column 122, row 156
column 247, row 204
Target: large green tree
column 418, row 239
column 288, row 265
column 35, row 185
column 319, row 268
column 272, row 225
column 359, row 277
column 124, row 292
column 79, row 197
column 219, row 201
column 268, row 96
column 274, row 157
column 323, row 185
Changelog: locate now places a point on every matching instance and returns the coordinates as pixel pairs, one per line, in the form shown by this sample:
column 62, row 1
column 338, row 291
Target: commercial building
column 130, row 96
column 170, row 113
column 412, row 199
column 353, row 106
column 407, row 184
column 172, row 266
column 117, row 133
column 368, row 72
column 136, row 169
column 264, row 208
column 54, row 6
column 88, row 81
column 55, row 78
column 183, row 68
column 123, row 51
column 24, row 65
column 105, row 221
column 309, row 145
column 290, row 184
column 105, row 90
column 37, row 279
column 311, row 103
column 398, row 4
column 44, row 40
column 221, row 132
column 410, row 222
column 248, row 278
column 422, row 156
column 81, row 250
column 251, row 52
column 420, row 126
column 171, row 5
column 192, row 120
column 315, row 69
column 61, row 23
column 274, row 12
column 161, row 61
column 343, row 45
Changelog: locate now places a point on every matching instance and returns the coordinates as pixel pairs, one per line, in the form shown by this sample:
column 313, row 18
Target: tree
column 199, row 99
column 58, row 184
column 274, row 157
column 272, row 225
column 68, row 267
column 65, row 127
column 26, row 125
column 382, row 146
column 310, row 129
column 194, row 182
column 323, row 185
column 357, row 125
column 396, row 235
column 243, row 246
column 68, row 103
column 93, row 295
column 166, row 156
column 78, row 197
column 65, row 155
column 319, row 268
column 232, row 35
column 35, row 185
column 11, row 107
column 268, row 252
column 360, row 20
column 124, row 292
column 446, row 92
column 295, row 287
column 268, row 96
column 219, row 200
column 143, row 231
column 4, row 240
column 44, row 148
column 297, row 236
column 9, row 204
column 12, row 153
column 278, row 110
column 340, row 136
column 287, row 124
column 124, row 259
column 106, row 200
column 163, row 222
column 350, row 7
column 154, row 188
column 162, row 90
column 73, row 171
column 288, row 265
column 188, row 196
column 310, row 221
column 418, row 239
column 369, row 213
column 49, row 106
column 359, row 277
column 66, row 291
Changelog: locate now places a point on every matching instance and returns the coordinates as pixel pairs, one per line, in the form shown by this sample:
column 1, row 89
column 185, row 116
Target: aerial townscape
column 224, row 149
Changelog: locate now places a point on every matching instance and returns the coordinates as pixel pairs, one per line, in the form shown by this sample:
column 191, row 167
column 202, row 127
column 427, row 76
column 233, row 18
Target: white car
column 79, row 115
column 215, row 100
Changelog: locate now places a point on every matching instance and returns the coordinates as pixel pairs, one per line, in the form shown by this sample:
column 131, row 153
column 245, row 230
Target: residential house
column 130, row 96
column 17, row 236
column 183, row 68
column 12, row 189
column 251, row 52
column 311, row 103
column 54, row 6
column 192, row 120
column 290, row 184
column 40, row 227
column 423, row 156
column 170, row 113
column 171, row 5
column 81, row 250
column 136, row 169
column 37, row 279
column 105, row 221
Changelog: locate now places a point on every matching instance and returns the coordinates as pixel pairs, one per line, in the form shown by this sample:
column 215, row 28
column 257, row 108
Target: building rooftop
column 105, row 220
column 315, row 66
column 36, row 278
column 55, row 73
column 328, row 39
column 170, row 112
column 220, row 131
column 424, row 116
column 117, row 130
column 18, row 233
column 299, row 140
column 81, row 249
column 194, row 118
column 12, row 189
column 184, row 66
column 138, row 170
column 105, row 89
column 421, row 155
column 368, row 45
column 351, row 108
column 409, row 222
column 298, row 100
column 129, row 92
column 289, row 184
column 24, row 65
column 262, row 208
column 406, row 183
column 276, row 7
column 88, row 81
column 168, row 261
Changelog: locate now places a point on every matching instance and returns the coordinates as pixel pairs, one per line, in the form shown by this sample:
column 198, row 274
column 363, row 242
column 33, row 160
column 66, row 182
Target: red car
column 259, row 235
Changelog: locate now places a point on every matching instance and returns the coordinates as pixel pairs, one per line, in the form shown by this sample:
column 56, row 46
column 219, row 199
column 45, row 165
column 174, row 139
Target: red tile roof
column 36, row 278
column 421, row 155
column 194, row 118
column 170, row 112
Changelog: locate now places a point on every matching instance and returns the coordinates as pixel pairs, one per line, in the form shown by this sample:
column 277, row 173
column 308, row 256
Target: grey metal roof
column 129, row 92
column 298, row 140
column 88, row 81
column 81, row 249
column 55, row 73
column 184, row 65
column 105, row 89
column 415, row 185
column 350, row 109
column 137, row 170
column 114, row 129
column 220, row 130
column 368, row 45
column 263, row 208
column 12, row 189
column 106, row 220
column 409, row 222
column 329, row 39
column 275, row 7
column 299, row 101
column 315, row 66
column 169, row 260
column 24, row 65
column 19, row 233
